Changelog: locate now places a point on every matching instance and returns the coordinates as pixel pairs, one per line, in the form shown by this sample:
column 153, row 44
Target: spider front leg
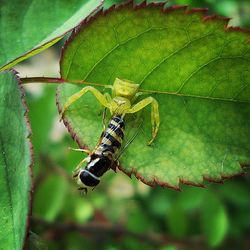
column 155, row 116
column 99, row 96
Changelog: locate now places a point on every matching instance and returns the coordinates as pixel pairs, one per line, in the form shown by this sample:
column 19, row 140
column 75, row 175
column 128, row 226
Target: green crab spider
column 122, row 102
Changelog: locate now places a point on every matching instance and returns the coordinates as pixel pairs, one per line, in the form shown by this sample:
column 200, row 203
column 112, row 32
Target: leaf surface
column 15, row 162
column 29, row 27
column 196, row 68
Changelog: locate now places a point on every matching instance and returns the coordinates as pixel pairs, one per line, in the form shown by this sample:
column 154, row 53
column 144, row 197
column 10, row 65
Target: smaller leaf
column 50, row 197
column 83, row 210
column 214, row 220
column 35, row 242
column 41, row 112
column 191, row 198
column 169, row 248
column 239, row 196
column 33, row 29
column 177, row 221
column 160, row 204
column 137, row 221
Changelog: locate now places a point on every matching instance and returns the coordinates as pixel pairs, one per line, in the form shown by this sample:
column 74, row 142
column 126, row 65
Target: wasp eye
column 88, row 178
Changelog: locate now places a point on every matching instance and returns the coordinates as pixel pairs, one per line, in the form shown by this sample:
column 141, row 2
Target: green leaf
column 190, row 199
column 239, row 196
column 169, row 248
column 177, row 221
column 50, row 197
column 198, row 71
column 42, row 112
column 29, row 27
column 35, row 242
column 15, row 162
column 214, row 220
column 137, row 221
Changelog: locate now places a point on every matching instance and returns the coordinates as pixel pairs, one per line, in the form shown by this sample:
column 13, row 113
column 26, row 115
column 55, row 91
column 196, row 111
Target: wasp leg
column 104, row 119
column 115, row 165
column 85, row 190
column 78, row 167
column 155, row 116
column 87, row 151
column 99, row 96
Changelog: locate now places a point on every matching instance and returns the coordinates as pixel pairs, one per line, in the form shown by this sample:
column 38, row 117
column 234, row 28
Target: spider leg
column 99, row 96
column 155, row 116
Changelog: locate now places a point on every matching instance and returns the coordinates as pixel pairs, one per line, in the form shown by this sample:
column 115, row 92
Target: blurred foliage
column 238, row 10
column 140, row 217
column 196, row 218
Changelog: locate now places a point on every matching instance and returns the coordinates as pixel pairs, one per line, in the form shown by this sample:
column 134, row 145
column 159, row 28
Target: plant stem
column 50, row 80
column 25, row 80
column 105, row 228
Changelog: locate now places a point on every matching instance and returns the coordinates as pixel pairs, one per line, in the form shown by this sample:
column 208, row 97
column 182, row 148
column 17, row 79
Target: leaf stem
column 26, row 80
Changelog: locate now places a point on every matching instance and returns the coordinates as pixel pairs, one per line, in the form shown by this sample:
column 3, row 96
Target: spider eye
column 88, row 179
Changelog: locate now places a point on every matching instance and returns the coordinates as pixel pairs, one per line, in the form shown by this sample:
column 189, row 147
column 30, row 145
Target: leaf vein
column 204, row 65
column 170, row 55
column 8, row 188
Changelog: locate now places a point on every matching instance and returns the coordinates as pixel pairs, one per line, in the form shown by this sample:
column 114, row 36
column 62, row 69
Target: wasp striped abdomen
column 103, row 157
column 112, row 136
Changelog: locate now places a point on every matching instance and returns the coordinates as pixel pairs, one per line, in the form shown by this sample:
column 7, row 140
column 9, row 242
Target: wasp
column 121, row 102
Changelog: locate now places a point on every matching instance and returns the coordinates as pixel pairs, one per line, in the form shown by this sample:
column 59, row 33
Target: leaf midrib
column 194, row 96
column 162, row 61
column 81, row 82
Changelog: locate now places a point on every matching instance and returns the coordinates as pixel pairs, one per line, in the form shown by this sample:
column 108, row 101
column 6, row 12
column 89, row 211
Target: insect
column 122, row 102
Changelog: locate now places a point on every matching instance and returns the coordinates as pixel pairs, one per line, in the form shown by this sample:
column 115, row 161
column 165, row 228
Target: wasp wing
column 132, row 128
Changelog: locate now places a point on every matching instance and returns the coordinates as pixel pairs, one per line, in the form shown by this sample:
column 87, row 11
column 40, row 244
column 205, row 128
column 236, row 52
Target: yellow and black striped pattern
column 112, row 137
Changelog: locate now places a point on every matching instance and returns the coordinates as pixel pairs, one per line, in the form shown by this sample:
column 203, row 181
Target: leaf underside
column 29, row 27
column 201, row 68
column 15, row 162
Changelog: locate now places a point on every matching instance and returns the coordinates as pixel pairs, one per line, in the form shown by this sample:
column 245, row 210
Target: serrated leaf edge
column 29, row 135
column 185, row 8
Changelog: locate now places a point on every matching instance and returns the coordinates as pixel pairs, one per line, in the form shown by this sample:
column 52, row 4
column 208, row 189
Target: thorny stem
column 105, row 228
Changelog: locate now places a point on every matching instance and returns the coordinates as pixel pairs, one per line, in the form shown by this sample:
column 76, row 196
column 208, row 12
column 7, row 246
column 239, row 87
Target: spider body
column 122, row 102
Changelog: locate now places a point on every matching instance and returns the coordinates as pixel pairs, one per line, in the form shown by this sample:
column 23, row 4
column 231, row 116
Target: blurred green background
column 122, row 213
